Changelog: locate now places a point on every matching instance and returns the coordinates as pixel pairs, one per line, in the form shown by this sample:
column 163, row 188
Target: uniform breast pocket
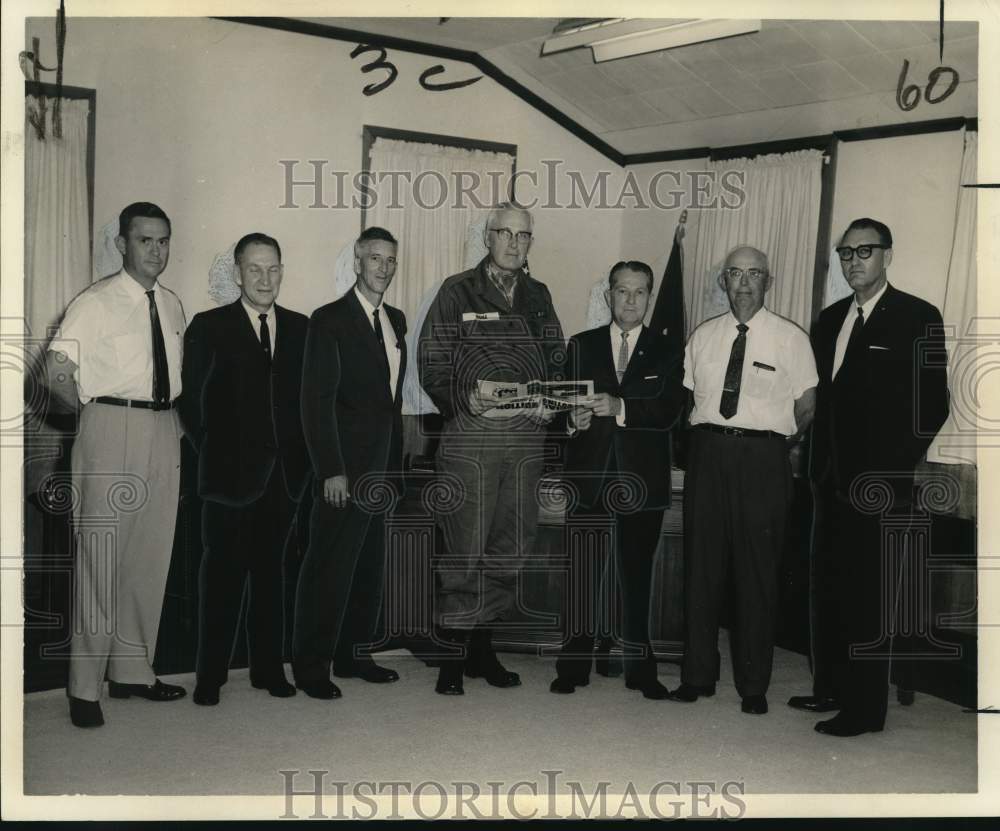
column 130, row 353
column 765, row 381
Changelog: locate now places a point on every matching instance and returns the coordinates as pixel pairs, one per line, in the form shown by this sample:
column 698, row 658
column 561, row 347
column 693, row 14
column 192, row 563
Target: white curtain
column 432, row 240
column 56, row 220
column 955, row 441
column 56, row 258
column 779, row 215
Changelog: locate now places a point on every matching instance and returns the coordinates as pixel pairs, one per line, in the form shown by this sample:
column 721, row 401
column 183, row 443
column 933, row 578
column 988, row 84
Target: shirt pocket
column 762, row 383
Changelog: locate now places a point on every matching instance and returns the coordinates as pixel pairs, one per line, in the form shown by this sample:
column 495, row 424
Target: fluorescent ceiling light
column 623, row 37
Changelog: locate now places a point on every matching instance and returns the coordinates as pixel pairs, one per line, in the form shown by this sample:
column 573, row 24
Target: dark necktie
column 854, row 341
column 161, row 374
column 734, row 374
column 381, row 341
column 622, row 357
column 265, row 339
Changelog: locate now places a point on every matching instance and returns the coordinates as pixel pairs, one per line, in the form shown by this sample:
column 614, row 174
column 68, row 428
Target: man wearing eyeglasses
column 491, row 323
column 753, row 380
column 352, row 381
column 882, row 396
column 240, row 406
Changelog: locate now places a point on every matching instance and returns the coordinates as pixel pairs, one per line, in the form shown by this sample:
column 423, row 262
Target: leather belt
column 740, row 432
column 138, row 405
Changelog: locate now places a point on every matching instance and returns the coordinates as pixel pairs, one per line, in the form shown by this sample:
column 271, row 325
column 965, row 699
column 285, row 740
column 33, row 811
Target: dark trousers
column 736, row 496
column 241, row 543
column 340, row 588
column 865, row 555
column 591, row 537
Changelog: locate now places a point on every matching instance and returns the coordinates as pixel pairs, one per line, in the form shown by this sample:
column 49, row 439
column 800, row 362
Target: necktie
column 265, row 339
column 854, row 341
column 381, row 340
column 161, row 374
column 622, row 357
column 734, row 374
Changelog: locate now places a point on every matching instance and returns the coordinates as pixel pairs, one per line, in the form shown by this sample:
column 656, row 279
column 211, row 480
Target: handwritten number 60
column 907, row 97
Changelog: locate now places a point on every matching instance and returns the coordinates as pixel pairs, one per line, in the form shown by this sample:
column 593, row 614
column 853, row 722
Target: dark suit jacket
column 224, row 404
column 653, row 391
column 882, row 411
column 352, row 424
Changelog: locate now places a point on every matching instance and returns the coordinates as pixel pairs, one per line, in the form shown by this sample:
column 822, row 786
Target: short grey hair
column 504, row 207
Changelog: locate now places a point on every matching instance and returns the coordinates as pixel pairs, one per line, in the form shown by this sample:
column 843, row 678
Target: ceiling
column 792, row 78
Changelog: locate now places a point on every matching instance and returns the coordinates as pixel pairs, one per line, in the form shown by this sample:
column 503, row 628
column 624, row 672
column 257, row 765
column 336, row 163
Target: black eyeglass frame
column 857, row 249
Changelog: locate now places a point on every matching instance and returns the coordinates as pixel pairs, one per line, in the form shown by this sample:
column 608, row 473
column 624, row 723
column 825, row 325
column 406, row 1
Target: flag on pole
column 668, row 313
column 668, row 317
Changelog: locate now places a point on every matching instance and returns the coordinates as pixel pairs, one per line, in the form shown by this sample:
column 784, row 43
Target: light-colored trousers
column 126, row 480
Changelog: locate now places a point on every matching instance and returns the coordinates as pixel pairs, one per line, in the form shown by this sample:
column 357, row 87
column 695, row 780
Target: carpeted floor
column 404, row 731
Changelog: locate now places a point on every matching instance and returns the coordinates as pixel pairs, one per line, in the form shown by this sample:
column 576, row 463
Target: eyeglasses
column 505, row 235
column 733, row 273
column 846, row 253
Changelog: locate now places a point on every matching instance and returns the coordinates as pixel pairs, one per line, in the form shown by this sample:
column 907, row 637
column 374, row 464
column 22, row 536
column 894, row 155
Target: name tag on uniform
column 467, row 316
column 759, row 365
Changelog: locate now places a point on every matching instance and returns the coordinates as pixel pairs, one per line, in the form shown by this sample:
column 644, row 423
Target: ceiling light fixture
column 624, row 37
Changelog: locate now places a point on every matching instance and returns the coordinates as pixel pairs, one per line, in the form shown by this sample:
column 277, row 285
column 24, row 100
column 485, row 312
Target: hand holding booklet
column 554, row 396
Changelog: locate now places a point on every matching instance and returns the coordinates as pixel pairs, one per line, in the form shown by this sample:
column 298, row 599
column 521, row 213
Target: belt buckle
column 738, row 432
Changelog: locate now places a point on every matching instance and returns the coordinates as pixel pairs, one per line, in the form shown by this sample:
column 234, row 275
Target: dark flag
column 668, row 313
column 668, row 318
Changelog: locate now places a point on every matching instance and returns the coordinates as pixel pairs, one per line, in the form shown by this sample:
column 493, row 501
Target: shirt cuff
column 620, row 418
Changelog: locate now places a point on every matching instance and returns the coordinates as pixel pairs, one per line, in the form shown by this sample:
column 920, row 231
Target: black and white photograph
column 454, row 412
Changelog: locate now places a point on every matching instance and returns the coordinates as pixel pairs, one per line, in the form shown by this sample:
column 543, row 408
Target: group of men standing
column 274, row 404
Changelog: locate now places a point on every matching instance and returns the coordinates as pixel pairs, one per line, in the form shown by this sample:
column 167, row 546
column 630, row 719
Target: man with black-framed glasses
column 882, row 396
column 752, row 376
column 491, row 323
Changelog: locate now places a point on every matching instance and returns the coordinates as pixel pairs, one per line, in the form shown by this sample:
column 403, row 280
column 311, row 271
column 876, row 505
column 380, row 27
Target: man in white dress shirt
column 118, row 354
column 753, row 378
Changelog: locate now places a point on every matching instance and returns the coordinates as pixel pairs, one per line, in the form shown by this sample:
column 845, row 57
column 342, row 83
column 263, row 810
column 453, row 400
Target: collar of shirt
column 368, row 307
column 759, row 317
column 616, row 340
column 254, row 316
column 496, row 277
column 868, row 306
column 133, row 288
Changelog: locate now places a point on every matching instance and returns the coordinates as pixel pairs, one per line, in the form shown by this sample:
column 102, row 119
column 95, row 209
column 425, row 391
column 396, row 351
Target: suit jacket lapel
column 401, row 342
column 365, row 331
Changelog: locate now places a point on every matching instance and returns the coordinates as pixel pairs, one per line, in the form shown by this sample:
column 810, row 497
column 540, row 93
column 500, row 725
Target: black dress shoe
column 85, row 713
column 814, row 703
column 650, row 688
column 564, row 685
column 449, row 680
column 495, row 676
column 844, row 726
column 691, row 692
column 370, row 672
column 151, row 692
column 319, row 689
column 205, row 695
column 755, row 705
column 279, row 687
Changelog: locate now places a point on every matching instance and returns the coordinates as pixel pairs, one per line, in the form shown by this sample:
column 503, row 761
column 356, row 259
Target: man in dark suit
column 618, row 443
column 882, row 396
column 352, row 381
column 242, row 376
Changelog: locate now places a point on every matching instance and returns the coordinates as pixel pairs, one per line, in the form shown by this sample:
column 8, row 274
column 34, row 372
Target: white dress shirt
column 272, row 323
column 778, row 366
column 106, row 333
column 845, row 330
column 388, row 335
